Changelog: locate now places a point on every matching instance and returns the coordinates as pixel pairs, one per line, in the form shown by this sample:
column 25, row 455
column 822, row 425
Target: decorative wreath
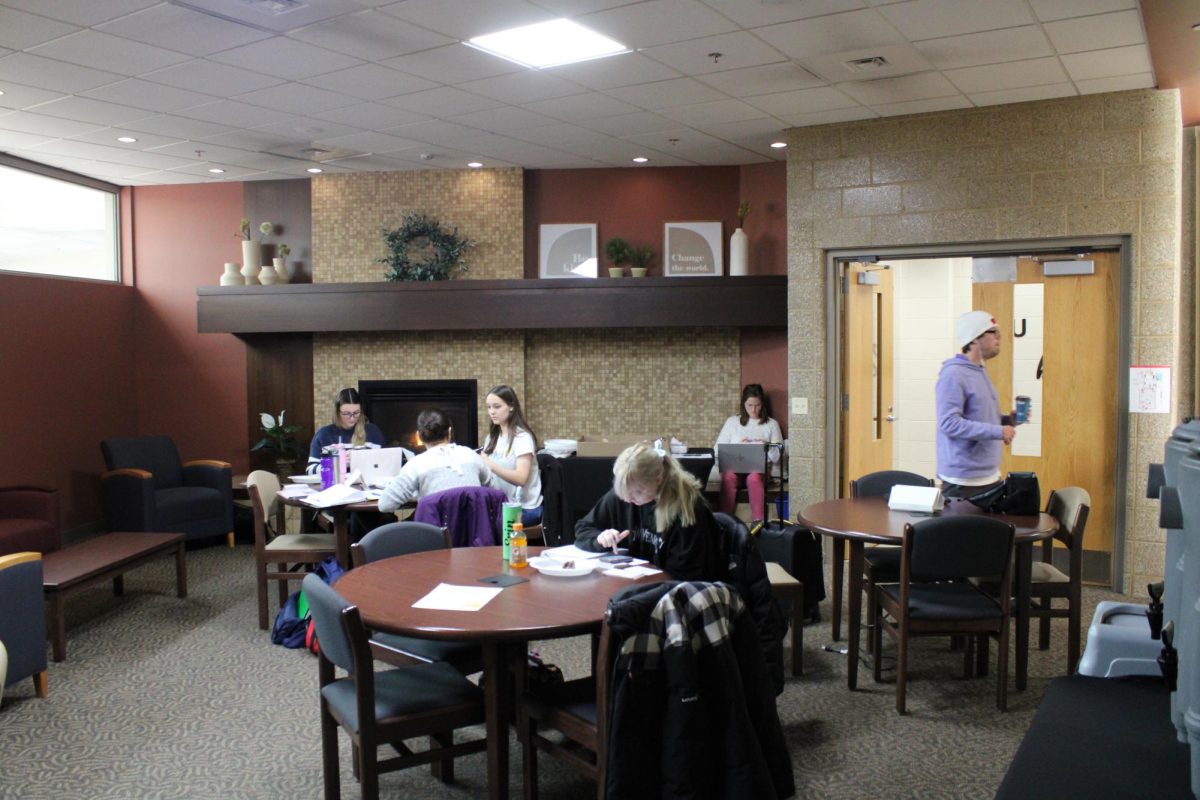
column 441, row 251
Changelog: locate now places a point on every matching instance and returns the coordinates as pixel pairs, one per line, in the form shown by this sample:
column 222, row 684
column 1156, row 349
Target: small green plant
column 283, row 250
column 278, row 437
column 743, row 210
column 641, row 256
column 618, row 251
column 421, row 250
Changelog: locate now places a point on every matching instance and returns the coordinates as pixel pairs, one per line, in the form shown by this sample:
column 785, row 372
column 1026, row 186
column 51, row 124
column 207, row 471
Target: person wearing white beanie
column 971, row 432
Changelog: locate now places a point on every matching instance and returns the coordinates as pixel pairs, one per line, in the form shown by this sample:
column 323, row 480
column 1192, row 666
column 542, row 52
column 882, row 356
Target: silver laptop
column 378, row 465
column 742, row 457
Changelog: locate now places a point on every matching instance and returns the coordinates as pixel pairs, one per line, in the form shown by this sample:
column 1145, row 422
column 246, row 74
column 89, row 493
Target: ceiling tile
column 1023, row 94
column 46, row 73
column 145, row 141
column 371, row 142
column 15, row 140
column 700, row 114
column 783, row 104
column 836, row 33
column 899, row 59
column 695, row 57
column 178, row 28
column 144, row 94
column 19, row 30
column 903, row 89
column 929, row 19
column 113, row 155
column 922, row 106
column 286, row 58
column 580, row 107
column 466, row 19
column 371, row 35
column 27, row 122
column 17, row 96
column 307, row 129
column 454, row 63
column 784, row 77
column 830, row 116
column 758, row 14
column 1095, row 33
column 626, row 69
column 82, row 12
column 990, row 47
column 102, row 51
column 180, row 127
column 1047, row 10
column 654, row 22
column 1102, row 63
column 201, row 75
column 664, row 94
column 86, row 109
column 445, row 101
column 372, row 116
column 1117, row 83
column 993, row 77
column 231, row 112
column 569, row 137
column 370, row 82
column 295, row 98
column 269, row 16
column 439, row 132
column 629, row 124
column 506, row 118
column 522, row 87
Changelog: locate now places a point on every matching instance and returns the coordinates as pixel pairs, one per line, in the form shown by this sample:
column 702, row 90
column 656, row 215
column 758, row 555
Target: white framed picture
column 692, row 249
column 567, row 250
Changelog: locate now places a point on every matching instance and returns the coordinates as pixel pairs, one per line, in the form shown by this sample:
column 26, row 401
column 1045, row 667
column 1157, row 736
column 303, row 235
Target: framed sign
column 567, row 251
column 692, row 249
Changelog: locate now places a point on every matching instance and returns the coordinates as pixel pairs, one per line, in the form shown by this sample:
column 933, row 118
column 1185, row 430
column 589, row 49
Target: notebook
column 743, row 457
column 378, row 465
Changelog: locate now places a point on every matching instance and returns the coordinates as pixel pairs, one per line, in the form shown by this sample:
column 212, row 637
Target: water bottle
column 327, row 476
column 517, row 544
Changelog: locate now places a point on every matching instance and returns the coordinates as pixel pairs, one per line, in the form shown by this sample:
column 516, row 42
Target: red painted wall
column 191, row 386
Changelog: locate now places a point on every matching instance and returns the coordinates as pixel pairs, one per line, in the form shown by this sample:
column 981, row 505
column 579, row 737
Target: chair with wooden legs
column 384, row 708
column 279, row 555
column 1069, row 506
column 935, row 596
column 23, row 619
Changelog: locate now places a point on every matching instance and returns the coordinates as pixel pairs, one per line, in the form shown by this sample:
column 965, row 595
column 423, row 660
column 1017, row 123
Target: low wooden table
column 71, row 570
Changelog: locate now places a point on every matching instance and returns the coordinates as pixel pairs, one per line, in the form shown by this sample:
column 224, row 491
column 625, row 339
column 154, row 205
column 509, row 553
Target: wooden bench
column 71, row 570
column 791, row 591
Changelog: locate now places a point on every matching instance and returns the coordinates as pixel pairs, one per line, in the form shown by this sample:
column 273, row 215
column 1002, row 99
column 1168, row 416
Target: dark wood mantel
column 742, row 302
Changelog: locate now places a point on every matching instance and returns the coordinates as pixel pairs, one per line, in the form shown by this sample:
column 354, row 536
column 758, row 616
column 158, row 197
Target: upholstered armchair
column 23, row 623
column 28, row 520
column 148, row 489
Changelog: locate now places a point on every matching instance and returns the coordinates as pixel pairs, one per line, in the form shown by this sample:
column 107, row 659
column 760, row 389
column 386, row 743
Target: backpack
column 293, row 627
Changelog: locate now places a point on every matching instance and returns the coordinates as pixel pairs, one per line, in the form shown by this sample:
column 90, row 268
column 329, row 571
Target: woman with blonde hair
column 656, row 511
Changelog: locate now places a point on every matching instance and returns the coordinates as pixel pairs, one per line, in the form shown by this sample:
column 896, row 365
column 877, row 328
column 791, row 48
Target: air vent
column 315, row 152
column 868, row 64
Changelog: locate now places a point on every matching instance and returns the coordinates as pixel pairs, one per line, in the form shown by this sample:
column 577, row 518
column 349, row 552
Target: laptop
column 742, row 457
column 378, row 465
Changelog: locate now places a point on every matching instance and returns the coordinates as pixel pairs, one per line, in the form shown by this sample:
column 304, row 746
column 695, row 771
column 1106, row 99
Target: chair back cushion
column 960, row 547
column 268, row 487
column 326, row 607
column 1065, row 504
column 155, row 454
column 401, row 538
column 879, row 484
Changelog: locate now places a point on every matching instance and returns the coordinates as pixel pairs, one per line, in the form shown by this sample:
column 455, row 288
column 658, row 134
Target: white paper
column 1150, row 390
column 921, row 499
column 632, row 572
column 294, row 490
column 448, row 597
column 570, row 552
column 336, row 495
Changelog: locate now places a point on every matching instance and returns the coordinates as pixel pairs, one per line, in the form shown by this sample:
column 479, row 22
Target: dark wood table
column 868, row 519
column 80, row 566
column 341, row 522
column 544, row 607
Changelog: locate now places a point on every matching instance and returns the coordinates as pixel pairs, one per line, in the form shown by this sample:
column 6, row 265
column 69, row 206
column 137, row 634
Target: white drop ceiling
column 265, row 92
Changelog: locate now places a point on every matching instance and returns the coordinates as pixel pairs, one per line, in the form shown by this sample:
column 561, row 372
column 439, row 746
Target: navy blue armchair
column 23, row 623
column 148, row 489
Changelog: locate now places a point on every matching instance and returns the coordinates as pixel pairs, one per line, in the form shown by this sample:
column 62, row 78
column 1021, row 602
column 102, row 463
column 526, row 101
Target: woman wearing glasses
column 350, row 426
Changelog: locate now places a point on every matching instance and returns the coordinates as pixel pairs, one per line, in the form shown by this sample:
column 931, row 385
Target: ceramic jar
column 281, row 273
column 231, row 276
column 267, row 276
column 251, row 261
column 739, row 253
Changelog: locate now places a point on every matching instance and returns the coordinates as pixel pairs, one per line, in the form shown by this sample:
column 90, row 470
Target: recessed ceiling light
column 778, row 145
column 315, row 170
column 126, row 139
column 474, row 164
column 548, row 44
column 217, row 171
column 640, row 159
column 1, row 91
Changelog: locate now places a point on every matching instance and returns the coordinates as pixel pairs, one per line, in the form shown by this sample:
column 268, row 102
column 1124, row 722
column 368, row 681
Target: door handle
column 890, row 417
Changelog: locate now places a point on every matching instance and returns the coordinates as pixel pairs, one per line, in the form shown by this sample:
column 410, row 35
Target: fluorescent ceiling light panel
column 548, row 44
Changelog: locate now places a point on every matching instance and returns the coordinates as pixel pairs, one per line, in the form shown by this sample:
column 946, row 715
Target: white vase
column 251, row 261
column 739, row 253
column 267, row 276
column 231, row 276
column 281, row 273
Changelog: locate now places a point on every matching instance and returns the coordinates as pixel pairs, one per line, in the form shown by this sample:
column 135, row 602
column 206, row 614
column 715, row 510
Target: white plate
column 550, row 566
column 312, row 480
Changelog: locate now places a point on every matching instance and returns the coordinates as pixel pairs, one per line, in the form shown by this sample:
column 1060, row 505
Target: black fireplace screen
column 395, row 405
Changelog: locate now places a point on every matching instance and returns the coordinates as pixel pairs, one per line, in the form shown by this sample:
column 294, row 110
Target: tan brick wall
column 1096, row 165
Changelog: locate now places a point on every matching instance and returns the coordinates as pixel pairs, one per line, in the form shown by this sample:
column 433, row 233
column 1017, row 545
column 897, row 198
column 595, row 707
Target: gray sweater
column 444, row 466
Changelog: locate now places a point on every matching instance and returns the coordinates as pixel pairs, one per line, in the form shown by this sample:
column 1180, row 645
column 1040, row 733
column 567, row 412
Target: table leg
column 854, row 618
column 1024, row 579
column 497, row 702
column 180, row 571
column 341, row 532
column 835, row 611
column 58, row 626
column 119, row 585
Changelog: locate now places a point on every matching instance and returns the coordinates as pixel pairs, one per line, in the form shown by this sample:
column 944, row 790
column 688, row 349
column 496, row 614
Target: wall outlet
column 799, row 405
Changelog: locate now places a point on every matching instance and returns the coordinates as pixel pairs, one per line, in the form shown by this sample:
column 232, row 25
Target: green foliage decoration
column 421, row 250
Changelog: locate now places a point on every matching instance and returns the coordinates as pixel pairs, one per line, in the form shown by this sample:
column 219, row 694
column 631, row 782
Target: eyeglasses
column 350, row 414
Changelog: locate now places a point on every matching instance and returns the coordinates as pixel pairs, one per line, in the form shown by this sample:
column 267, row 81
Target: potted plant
column 640, row 259
column 282, row 251
column 280, row 439
column 252, row 251
column 619, row 252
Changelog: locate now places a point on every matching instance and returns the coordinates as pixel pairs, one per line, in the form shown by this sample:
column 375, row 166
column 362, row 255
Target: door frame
column 835, row 384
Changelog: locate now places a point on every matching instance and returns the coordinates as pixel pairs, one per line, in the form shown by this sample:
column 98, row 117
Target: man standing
column 970, row 429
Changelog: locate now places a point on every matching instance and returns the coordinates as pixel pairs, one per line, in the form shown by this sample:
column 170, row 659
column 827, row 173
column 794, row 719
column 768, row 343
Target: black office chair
column 936, row 596
column 398, row 539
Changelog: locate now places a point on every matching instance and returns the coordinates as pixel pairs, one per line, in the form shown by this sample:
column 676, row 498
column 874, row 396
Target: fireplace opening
column 395, row 405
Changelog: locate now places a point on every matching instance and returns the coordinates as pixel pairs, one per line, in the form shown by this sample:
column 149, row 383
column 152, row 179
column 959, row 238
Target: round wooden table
column 869, row 520
column 543, row 607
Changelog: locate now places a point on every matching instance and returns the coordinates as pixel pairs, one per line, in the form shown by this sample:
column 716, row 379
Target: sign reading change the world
column 692, row 249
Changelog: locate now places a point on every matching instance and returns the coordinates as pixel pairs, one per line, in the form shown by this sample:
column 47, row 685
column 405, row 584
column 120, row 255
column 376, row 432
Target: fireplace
column 395, row 405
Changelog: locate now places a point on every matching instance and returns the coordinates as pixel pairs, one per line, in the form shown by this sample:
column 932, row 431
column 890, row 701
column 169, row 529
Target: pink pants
column 755, row 488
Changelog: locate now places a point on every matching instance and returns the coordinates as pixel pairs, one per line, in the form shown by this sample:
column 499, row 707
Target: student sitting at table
column 656, row 511
column 350, row 426
column 752, row 423
column 509, row 451
column 443, row 465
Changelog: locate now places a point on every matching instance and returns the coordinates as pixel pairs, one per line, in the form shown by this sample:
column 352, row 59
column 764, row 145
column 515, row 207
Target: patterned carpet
column 167, row 698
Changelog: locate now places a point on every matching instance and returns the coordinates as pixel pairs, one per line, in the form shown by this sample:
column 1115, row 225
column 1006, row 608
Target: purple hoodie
column 969, row 435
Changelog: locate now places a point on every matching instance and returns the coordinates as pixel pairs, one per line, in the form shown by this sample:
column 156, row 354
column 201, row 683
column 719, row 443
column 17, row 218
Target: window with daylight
column 57, row 225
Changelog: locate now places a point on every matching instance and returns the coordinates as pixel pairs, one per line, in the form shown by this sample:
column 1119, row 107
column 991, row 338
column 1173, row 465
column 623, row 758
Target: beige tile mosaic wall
column 1094, row 165
column 350, row 211
column 678, row 381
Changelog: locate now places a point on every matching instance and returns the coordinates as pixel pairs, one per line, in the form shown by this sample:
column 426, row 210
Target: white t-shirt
column 446, row 466
column 733, row 432
column 529, row 495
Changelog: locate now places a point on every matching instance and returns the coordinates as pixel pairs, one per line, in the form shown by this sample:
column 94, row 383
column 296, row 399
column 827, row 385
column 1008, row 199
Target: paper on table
column 570, row 552
column 632, row 572
column 336, row 495
column 293, row 490
column 448, row 597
